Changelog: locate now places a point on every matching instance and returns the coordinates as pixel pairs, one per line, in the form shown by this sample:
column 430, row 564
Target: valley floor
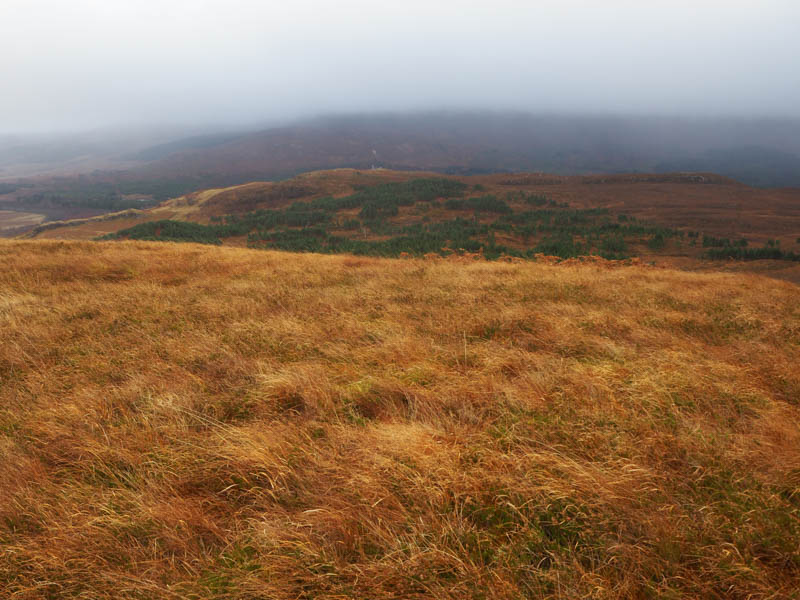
column 184, row 421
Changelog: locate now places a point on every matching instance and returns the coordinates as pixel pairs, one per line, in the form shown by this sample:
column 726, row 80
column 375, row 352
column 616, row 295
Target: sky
column 77, row 64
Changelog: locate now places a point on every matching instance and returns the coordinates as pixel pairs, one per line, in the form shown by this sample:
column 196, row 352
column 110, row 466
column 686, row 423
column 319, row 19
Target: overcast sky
column 72, row 64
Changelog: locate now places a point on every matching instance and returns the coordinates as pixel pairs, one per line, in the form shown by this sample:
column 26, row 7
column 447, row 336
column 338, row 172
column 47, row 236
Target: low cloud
column 92, row 63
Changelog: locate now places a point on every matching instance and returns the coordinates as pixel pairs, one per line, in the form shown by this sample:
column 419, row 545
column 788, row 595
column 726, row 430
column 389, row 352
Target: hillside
column 679, row 218
column 187, row 421
column 759, row 152
column 84, row 175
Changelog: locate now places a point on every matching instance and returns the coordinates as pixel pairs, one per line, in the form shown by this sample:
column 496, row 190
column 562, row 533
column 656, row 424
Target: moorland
column 197, row 421
column 224, row 374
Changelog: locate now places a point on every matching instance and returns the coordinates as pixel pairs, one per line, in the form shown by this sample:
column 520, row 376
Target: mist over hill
column 758, row 152
column 761, row 152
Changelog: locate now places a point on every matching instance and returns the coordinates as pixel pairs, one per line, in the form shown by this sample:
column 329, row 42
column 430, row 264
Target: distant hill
column 764, row 153
column 755, row 165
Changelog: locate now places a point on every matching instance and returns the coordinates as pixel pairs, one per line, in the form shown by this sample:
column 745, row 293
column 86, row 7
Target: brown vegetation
column 703, row 202
column 179, row 421
column 706, row 203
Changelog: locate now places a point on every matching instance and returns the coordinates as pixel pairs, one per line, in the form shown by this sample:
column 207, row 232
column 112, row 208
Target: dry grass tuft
column 192, row 422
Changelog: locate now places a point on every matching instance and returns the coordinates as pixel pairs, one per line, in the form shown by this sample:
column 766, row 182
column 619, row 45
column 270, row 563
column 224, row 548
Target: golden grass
column 179, row 421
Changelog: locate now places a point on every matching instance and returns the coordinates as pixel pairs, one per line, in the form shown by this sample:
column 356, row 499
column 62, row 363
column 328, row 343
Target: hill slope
column 759, row 152
column 763, row 152
column 679, row 217
column 199, row 422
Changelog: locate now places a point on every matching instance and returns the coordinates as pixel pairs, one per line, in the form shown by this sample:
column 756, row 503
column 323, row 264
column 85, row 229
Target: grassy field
column 185, row 421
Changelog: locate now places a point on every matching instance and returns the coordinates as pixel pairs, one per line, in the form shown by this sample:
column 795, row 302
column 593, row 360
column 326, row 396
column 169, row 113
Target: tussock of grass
column 180, row 421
